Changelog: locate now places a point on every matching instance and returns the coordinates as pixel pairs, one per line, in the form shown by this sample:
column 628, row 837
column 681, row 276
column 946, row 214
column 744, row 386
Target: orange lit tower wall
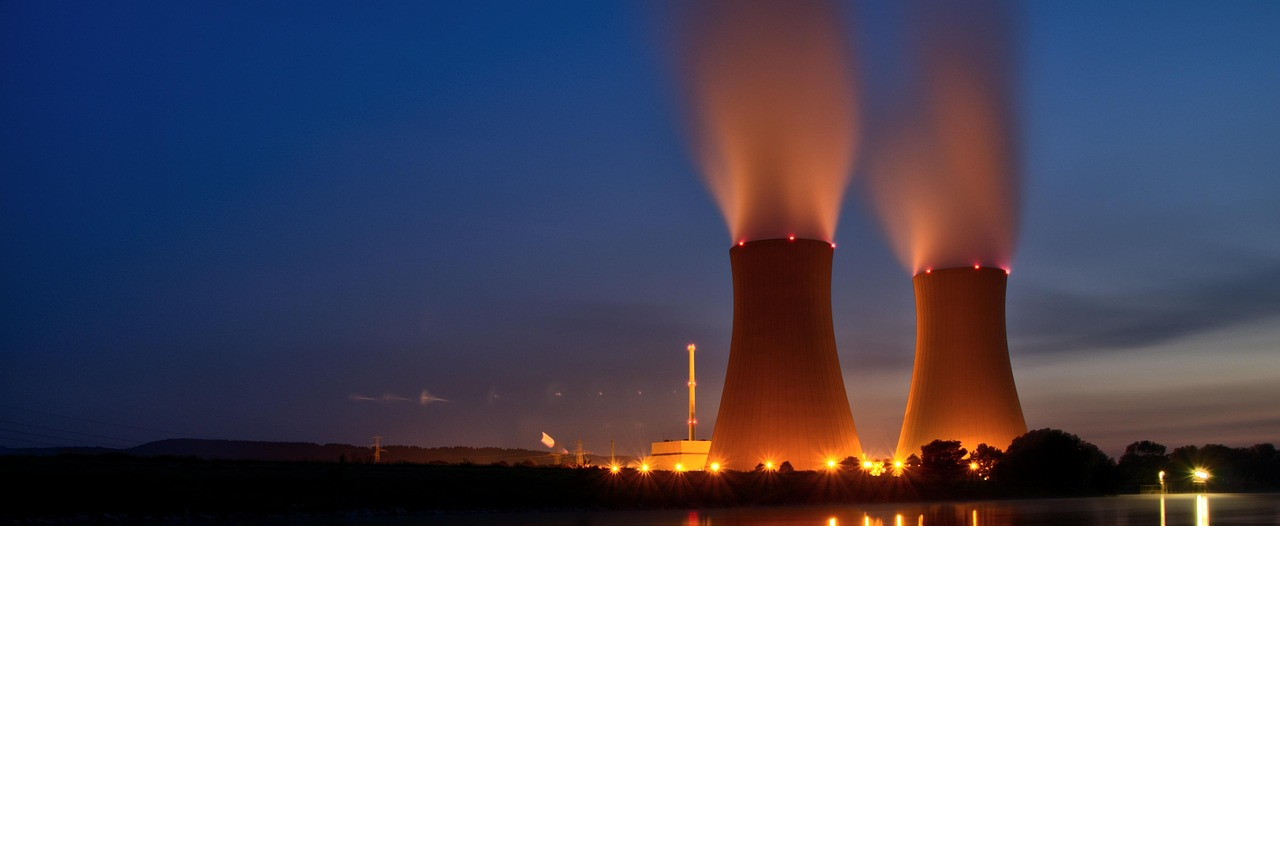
column 784, row 397
column 962, row 383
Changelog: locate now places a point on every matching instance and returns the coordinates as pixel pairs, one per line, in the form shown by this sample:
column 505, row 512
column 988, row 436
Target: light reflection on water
column 1126, row 510
column 1136, row 510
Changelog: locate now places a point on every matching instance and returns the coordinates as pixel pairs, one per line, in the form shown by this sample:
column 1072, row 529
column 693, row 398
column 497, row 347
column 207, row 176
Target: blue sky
column 240, row 221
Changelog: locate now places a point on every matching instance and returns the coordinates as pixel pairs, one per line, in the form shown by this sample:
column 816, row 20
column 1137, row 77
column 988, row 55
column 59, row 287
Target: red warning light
column 741, row 243
column 791, row 238
column 975, row 266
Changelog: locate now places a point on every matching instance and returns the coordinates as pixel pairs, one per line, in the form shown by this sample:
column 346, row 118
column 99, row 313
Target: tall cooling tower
column 962, row 384
column 784, row 396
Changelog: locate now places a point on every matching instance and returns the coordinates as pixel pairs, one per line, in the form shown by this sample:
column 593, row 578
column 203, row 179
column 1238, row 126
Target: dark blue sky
column 243, row 220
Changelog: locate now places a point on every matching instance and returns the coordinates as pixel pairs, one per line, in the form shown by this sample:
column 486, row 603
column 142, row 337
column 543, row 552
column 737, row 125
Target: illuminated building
column 784, row 397
column 962, row 383
column 689, row 454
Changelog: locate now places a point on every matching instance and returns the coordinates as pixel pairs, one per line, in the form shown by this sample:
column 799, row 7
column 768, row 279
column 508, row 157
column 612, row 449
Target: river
column 1188, row 509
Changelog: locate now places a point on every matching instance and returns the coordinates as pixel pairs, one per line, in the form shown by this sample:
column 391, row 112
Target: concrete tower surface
column 784, row 397
column 962, row 383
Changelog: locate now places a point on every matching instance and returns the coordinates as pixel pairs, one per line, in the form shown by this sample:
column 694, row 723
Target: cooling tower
column 784, row 397
column 962, row 383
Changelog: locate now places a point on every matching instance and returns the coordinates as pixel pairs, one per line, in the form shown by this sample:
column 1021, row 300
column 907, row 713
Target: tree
column 1053, row 462
column 1243, row 469
column 986, row 458
column 1264, row 466
column 1142, row 463
column 943, row 459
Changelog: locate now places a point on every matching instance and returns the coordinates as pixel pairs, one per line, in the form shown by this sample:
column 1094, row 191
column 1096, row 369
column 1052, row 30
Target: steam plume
column 943, row 160
column 771, row 107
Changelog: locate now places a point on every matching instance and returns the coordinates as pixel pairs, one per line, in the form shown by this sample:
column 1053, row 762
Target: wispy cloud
column 425, row 398
column 382, row 399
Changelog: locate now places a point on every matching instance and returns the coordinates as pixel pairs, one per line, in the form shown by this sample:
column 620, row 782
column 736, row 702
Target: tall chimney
column 962, row 382
column 784, row 397
column 693, row 383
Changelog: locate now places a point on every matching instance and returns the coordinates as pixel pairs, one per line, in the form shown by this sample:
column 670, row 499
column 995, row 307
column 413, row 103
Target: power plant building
column 679, row 455
column 683, row 455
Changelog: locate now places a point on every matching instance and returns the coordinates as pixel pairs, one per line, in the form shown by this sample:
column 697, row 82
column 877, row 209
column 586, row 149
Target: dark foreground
column 113, row 489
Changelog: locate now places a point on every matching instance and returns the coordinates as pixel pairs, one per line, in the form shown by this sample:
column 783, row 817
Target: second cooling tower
column 784, row 398
column 962, row 382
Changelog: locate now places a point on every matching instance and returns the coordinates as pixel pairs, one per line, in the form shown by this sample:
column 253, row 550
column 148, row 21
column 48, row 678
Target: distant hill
column 331, row 452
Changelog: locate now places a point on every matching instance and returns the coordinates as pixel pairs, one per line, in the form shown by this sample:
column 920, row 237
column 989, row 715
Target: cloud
column 1044, row 321
column 383, row 399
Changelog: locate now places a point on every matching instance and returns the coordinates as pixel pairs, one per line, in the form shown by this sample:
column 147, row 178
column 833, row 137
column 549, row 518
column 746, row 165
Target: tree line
column 1054, row 462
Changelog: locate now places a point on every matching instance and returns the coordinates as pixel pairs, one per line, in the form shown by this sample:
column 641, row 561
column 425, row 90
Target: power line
column 53, row 439
column 105, row 424
column 39, row 434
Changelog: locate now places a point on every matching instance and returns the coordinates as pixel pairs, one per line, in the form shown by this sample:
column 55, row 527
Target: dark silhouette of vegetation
column 1053, row 462
column 1250, row 469
column 116, row 487
column 1141, row 465
column 943, row 460
column 985, row 458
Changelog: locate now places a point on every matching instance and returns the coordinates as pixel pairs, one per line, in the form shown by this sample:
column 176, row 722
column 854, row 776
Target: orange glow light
column 715, row 467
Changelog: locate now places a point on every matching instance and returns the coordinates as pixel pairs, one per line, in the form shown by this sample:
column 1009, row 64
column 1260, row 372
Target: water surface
column 1131, row 510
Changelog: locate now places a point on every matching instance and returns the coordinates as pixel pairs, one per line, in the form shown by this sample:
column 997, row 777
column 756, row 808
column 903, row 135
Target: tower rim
column 941, row 269
column 795, row 240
